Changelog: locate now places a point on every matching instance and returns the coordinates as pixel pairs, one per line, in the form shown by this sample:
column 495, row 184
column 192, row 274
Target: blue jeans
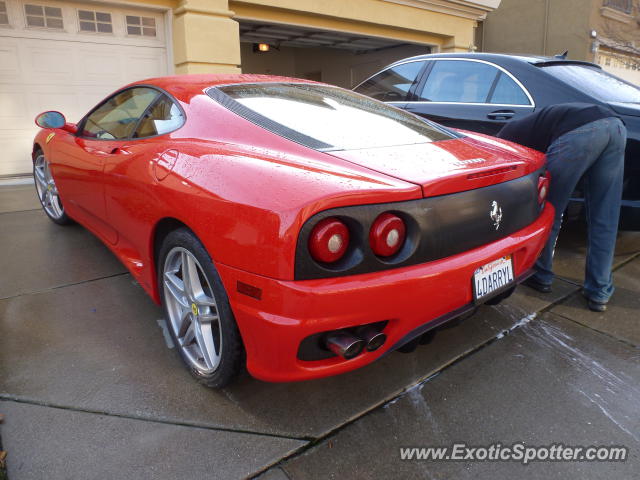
column 595, row 151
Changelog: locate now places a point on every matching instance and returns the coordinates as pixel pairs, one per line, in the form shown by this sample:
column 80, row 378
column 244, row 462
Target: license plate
column 492, row 276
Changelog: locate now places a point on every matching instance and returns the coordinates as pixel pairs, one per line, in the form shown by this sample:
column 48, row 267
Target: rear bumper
column 409, row 298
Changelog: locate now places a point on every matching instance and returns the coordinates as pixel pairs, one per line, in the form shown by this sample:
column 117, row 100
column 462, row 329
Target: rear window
column 326, row 118
column 596, row 82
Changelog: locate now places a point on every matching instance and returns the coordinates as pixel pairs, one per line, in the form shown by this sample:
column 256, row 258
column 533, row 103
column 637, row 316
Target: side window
column 458, row 81
column 393, row 84
column 163, row 117
column 4, row 16
column 507, row 92
column 118, row 116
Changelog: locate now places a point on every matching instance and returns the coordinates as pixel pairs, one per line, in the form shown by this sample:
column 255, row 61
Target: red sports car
column 305, row 227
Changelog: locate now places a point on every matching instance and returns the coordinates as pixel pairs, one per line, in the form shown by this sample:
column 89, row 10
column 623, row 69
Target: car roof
column 499, row 58
column 194, row 84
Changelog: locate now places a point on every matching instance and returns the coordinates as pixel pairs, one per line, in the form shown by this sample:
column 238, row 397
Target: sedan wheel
column 197, row 310
column 47, row 191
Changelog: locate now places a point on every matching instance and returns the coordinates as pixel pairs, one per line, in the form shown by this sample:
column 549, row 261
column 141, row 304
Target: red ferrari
column 303, row 227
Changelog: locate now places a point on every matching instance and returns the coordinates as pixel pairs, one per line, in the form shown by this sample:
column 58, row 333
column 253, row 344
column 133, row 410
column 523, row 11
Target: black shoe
column 594, row 305
column 531, row 282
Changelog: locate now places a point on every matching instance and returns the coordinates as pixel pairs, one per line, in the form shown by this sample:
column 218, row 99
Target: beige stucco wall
column 540, row 27
column 569, row 27
column 205, row 38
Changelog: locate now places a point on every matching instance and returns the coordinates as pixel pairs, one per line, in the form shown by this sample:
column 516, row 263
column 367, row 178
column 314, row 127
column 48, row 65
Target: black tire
column 57, row 215
column 231, row 353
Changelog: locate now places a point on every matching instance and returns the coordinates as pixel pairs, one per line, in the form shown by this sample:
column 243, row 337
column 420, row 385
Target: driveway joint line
column 16, row 399
column 606, row 334
column 626, row 261
column 21, row 211
column 57, row 287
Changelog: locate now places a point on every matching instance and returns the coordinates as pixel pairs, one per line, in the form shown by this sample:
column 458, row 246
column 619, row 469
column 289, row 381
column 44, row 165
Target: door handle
column 501, row 114
column 117, row 151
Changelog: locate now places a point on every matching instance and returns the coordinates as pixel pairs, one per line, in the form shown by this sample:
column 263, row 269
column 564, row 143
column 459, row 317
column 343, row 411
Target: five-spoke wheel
column 192, row 310
column 197, row 310
column 47, row 191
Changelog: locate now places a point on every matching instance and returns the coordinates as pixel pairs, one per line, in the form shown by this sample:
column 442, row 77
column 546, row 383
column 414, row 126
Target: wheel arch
column 36, row 148
column 161, row 229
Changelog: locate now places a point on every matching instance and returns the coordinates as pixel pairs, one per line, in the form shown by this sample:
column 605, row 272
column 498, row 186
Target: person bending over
column 580, row 140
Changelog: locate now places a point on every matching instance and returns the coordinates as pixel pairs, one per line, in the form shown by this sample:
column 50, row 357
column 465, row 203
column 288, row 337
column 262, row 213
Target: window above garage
column 142, row 26
column 4, row 17
column 40, row 16
column 98, row 22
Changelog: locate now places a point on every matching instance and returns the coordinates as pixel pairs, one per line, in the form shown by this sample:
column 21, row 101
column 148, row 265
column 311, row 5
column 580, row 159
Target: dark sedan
column 481, row 92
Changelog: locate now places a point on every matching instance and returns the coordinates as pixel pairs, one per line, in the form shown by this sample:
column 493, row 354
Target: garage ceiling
column 291, row 36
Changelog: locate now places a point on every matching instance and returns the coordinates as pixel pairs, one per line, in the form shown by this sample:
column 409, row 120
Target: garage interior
column 338, row 58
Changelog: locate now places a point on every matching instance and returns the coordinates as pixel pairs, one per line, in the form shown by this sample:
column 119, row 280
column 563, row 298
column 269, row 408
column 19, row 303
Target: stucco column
column 205, row 38
column 457, row 44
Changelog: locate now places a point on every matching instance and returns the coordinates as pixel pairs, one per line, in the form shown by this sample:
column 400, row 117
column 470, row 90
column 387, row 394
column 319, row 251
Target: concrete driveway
column 90, row 388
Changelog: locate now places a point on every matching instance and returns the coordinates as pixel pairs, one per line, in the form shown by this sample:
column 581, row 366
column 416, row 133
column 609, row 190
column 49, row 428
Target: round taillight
column 329, row 240
column 543, row 189
column 387, row 235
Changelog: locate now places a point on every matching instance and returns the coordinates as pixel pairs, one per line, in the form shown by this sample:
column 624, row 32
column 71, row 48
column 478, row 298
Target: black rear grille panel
column 437, row 227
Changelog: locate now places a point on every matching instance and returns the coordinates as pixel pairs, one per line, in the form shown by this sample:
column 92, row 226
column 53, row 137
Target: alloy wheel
column 192, row 310
column 46, row 188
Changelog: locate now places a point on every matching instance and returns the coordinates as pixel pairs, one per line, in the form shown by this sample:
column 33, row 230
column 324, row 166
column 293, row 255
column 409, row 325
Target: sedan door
column 470, row 95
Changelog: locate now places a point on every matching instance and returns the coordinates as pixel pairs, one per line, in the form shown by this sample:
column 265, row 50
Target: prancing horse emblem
column 495, row 214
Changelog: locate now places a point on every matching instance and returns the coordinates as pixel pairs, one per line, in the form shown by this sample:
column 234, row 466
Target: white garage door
column 68, row 56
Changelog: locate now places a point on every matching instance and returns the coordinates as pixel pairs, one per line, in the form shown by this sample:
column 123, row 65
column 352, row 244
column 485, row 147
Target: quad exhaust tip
column 348, row 345
column 373, row 338
column 345, row 344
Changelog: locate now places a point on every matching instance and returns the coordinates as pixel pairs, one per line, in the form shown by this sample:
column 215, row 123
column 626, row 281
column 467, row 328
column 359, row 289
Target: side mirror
column 51, row 120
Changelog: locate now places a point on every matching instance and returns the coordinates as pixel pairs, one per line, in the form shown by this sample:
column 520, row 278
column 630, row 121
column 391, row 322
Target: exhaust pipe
column 344, row 344
column 372, row 337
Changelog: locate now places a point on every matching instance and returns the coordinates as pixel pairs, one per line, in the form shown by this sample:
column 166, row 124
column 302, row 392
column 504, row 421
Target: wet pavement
column 90, row 389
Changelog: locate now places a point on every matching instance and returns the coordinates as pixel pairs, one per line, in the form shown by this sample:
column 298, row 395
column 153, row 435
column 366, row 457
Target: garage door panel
column 53, row 65
column 101, row 66
column 14, row 106
column 9, row 62
column 67, row 70
column 19, row 108
column 16, row 151
column 145, row 66
column 60, row 101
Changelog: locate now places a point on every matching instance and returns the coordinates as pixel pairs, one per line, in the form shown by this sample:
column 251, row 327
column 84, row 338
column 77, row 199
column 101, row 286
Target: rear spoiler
column 547, row 63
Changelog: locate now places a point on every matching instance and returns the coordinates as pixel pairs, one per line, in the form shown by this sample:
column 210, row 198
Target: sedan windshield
column 596, row 82
column 326, row 118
